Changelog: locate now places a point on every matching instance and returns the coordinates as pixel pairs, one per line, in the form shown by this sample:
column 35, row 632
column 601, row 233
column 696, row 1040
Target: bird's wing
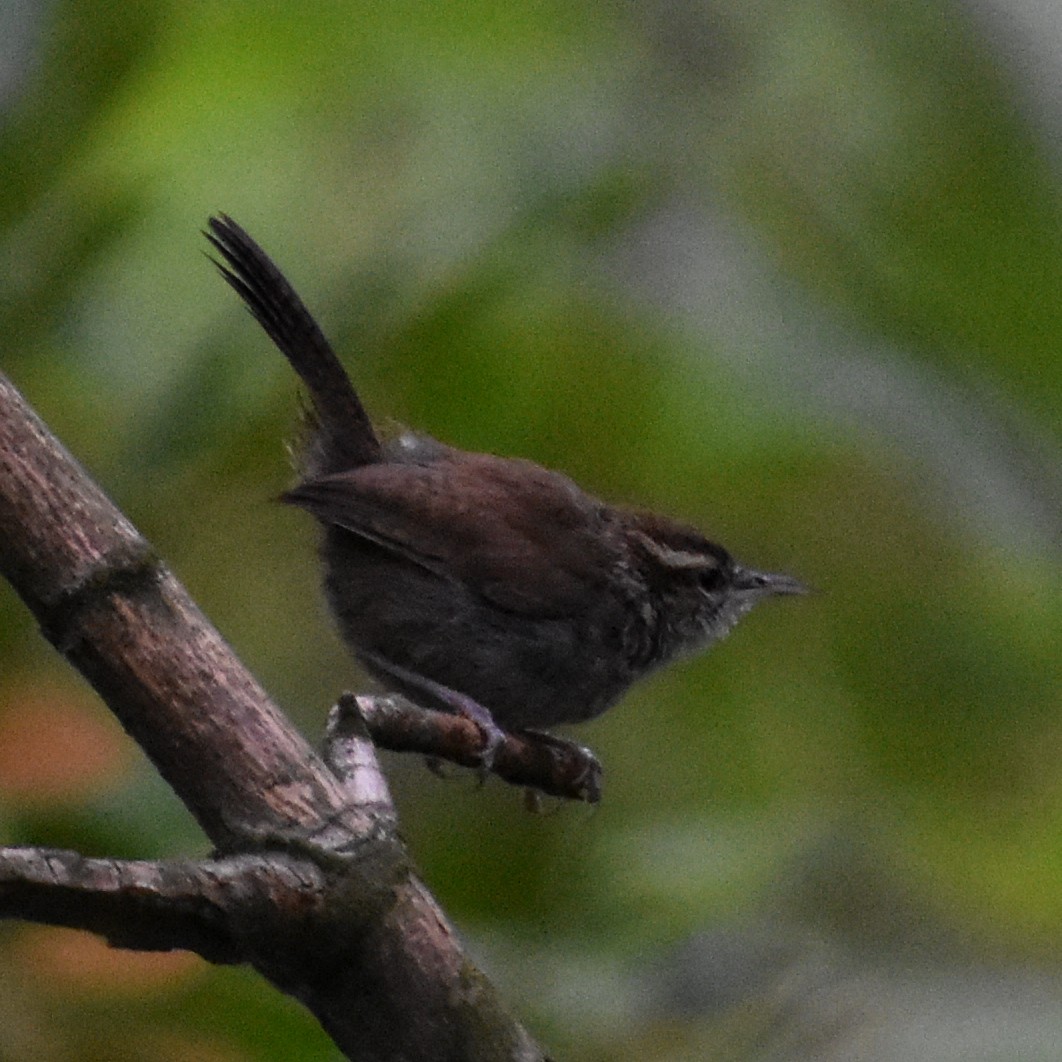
column 527, row 539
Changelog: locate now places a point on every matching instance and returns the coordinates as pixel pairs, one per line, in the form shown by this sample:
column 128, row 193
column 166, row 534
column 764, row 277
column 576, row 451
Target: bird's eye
column 711, row 579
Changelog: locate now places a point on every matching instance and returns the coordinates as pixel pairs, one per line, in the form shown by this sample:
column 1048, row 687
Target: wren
column 484, row 585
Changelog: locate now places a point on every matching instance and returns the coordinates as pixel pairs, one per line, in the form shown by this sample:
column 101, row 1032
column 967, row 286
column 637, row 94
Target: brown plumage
column 482, row 584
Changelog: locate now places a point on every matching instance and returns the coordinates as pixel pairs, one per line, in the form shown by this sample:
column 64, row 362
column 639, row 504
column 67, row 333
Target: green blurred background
column 789, row 271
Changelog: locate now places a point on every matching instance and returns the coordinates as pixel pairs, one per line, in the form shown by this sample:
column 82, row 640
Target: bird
column 483, row 585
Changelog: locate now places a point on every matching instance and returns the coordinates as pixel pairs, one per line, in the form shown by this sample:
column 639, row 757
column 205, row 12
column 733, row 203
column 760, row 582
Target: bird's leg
column 453, row 700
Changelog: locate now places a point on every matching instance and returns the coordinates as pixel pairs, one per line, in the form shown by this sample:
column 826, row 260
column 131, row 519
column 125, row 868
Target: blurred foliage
column 529, row 228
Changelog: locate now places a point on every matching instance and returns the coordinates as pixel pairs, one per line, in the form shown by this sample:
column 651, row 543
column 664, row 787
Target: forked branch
column 310, row 882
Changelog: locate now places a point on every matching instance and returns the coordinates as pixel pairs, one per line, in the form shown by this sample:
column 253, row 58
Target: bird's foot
column 454, row 701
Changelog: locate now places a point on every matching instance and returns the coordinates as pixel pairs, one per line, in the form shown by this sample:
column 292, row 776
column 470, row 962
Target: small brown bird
column 484, row 585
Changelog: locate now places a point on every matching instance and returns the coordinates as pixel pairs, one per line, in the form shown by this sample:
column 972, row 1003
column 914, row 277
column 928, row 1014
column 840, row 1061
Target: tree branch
column 312, row 884
column 539, row 761
column 138, row 904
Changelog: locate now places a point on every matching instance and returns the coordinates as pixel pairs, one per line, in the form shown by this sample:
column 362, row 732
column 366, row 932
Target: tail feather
column 344, row 436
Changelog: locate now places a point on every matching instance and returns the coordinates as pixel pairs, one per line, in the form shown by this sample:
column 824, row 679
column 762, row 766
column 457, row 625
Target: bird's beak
column 762, row 583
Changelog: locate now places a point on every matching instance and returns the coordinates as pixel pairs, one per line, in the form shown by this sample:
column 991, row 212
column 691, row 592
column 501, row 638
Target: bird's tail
column 342, row 435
